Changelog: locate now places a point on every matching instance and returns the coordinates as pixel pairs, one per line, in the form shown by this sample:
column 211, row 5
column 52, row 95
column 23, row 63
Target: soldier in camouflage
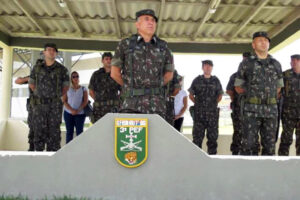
column 260, row 79
column 142, row 65
column 236, row 115
column 206, row 92
column 172, row 88
column 49, row 81
column 104, row 90
column 291, row 107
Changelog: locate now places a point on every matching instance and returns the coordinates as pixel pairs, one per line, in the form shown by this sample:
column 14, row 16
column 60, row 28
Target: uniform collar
column 256, row 57
column 153, row 39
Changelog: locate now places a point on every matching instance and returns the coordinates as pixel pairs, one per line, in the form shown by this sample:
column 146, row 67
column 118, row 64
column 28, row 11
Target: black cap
column 296, row 56
column 106, row 54
column 261, row 34
column 179, row 77
column 208, row 62
column 146, row 12
column 52, row 45
column 246, row 54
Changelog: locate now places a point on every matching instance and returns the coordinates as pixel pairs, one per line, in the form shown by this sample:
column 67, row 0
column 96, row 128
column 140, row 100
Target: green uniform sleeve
column 32, row 76
column 240, row 79
column 92, row 81
column 192, row 88
column 65, row 77
column 169, row 61
column 119, row 57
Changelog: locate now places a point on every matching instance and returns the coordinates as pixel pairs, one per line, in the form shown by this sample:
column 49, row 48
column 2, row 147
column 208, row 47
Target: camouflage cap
column 146, row 12
column 208, row 62
column 296, row 56
column 52, row 45
column 106, row 54
column 261, row 34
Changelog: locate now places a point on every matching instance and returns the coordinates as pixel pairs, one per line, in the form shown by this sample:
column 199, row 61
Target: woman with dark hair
column 74, row 101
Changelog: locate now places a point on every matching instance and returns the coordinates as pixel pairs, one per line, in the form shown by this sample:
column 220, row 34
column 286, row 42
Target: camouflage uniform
column 47, row 110
column 235, row 116
column 170, row 88
column 290, row 112
column 261, row 78
column 106, row 94
column 206, row 117
column 143, row 66
column 237, row 119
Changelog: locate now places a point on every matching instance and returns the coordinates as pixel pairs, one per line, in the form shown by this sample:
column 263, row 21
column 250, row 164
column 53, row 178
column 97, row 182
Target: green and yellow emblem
column 131, row 141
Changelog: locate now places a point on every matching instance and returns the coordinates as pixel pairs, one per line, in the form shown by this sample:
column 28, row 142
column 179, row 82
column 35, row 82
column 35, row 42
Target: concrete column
column 68, row 60
column 5, row 102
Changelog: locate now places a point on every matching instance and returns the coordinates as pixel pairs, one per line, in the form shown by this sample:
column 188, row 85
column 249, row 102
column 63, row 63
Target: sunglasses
column 75, row 76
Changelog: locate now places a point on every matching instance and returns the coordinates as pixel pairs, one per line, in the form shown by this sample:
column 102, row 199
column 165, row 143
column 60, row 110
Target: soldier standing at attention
column 206, row 92
column 104, row 90
column 49, row 81
column 291, row 107
column 260, row 78
column 236, row 112
column 142, row 65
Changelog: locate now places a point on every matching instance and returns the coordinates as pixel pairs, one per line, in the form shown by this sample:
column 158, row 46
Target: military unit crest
column 131, row 141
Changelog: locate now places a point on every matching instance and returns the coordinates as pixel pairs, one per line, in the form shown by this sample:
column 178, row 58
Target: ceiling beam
column 115, row 13
column 248, row 18
column 96, row 45
column 161, row 10
column 30, row 16
column 129, row 20
column 286, row 22
column 222, row 5
column 4, row 28
column 196, row 3
column 72, row 15
column 97, row 1
column 213, row 5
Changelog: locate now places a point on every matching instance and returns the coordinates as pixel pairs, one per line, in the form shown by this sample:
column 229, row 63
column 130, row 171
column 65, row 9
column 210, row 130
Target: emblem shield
column 131, row 141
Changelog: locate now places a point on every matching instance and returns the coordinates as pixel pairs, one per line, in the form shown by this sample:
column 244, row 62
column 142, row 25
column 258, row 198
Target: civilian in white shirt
column 180, row 106
column 74, row 101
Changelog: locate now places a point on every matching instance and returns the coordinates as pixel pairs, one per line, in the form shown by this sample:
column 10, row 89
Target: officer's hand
column 177, row 117
column 239, row 90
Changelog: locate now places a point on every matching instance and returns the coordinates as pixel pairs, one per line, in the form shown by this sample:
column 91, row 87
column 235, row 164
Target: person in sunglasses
column 74, row 101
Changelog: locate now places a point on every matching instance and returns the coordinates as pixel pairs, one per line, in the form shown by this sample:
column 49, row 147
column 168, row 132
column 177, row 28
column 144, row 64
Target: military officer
column 291, row 107
column 260, row 79
column 104, row 90
column 236, row 115
column 142, row 65
column 49, row 81
column 206, row 92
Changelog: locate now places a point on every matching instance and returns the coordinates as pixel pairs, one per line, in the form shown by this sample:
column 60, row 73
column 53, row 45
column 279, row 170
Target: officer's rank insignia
column 131, row 141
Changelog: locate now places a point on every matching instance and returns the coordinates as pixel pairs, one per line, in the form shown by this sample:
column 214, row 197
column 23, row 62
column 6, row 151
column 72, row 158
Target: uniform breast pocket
column 271, row 74
column 255, row 76
column 211, row 89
